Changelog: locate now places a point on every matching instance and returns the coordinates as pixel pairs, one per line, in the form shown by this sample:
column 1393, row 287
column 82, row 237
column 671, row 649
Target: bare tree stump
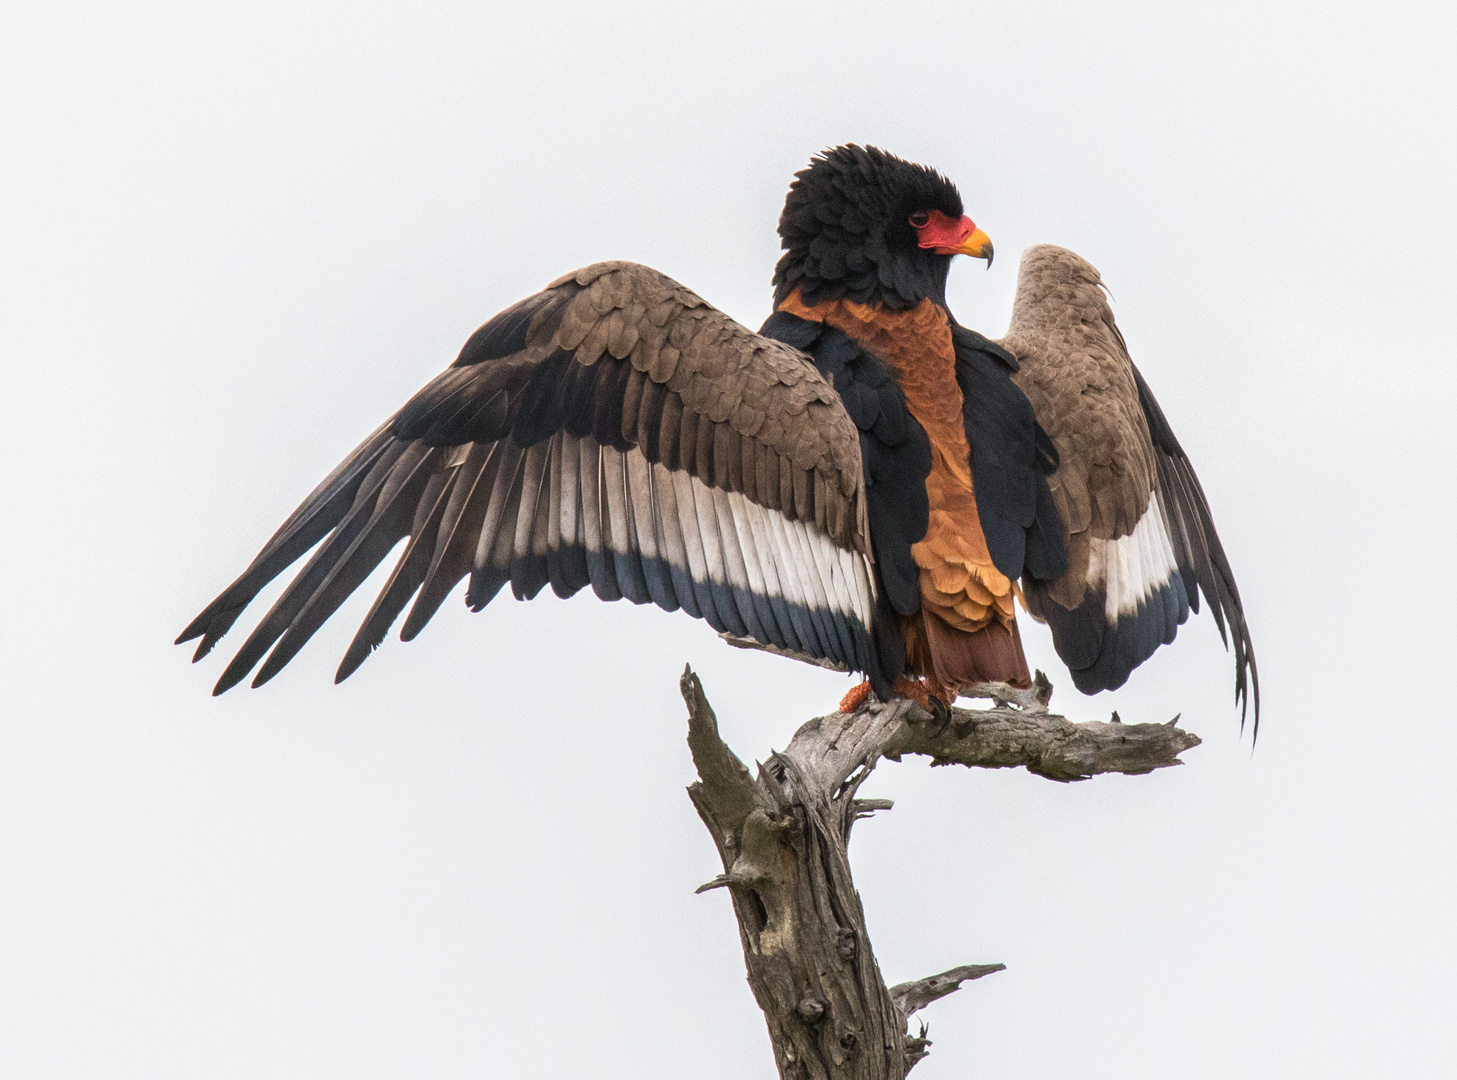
column 783, row 838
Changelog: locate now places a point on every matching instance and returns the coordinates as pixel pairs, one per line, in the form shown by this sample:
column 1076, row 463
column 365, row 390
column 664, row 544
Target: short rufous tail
column 956, row 658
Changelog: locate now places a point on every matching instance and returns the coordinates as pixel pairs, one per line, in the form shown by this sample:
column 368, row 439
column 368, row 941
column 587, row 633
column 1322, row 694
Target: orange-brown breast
column 959, row 582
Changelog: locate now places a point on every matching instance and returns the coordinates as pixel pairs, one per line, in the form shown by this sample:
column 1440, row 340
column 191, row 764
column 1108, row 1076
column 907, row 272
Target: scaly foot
column 915, row 689
column 855, row 698
column 925, row 692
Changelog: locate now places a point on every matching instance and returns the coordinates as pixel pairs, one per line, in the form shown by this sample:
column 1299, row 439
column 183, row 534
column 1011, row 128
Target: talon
column 855, row 698
column 927, row 693
column 942, row 712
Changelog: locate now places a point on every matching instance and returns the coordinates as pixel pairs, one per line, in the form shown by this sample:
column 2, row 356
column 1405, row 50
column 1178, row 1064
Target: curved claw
column 941, row 711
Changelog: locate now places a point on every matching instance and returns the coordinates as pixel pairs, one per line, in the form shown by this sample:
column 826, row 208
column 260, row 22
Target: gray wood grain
column 783, row 838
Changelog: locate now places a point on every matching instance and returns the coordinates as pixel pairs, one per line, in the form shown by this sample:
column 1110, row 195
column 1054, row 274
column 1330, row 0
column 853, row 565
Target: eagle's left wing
column 1141, row 542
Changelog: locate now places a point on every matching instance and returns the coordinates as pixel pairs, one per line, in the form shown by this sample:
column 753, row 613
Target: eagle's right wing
column 614, row 431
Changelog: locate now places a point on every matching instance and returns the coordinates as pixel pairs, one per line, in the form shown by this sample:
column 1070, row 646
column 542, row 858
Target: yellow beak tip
column 979, row 246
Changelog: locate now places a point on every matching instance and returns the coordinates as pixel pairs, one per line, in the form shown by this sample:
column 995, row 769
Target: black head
column 863, row 224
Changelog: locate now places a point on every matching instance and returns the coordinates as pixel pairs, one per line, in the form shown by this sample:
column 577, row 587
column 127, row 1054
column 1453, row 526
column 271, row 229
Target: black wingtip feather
column 322, row 511
column 1198, row 550
column 485, row 583
column 232, row 675
column 405, row 580
column 387, row 525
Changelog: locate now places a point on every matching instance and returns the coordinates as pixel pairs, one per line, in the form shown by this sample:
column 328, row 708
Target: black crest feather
column 845, row 231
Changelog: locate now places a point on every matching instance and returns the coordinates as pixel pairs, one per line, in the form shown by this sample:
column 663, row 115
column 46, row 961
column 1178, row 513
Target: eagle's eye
column 920, row 219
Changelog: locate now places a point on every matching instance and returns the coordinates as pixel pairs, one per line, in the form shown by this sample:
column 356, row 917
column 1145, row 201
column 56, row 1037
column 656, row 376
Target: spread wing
column 614, row 431
column 1141, row 542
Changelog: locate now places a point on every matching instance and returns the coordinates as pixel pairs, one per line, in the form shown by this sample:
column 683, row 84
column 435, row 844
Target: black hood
column 845, row 230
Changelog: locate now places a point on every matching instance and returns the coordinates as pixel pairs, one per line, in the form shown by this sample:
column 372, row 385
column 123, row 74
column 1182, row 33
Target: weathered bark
column 783, row 838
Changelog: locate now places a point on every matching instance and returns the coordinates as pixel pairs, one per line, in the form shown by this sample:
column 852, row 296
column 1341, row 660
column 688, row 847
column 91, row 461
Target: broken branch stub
column 912, row 997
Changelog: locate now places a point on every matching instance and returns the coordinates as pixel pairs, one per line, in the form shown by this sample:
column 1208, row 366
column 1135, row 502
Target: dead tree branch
column 912, row 997
column 783, row 840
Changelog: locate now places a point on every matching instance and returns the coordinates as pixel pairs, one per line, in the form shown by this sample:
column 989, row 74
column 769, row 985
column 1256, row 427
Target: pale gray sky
column 235, row 239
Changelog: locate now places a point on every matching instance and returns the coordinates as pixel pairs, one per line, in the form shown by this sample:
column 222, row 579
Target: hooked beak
column 978, row 245
column 947, row 237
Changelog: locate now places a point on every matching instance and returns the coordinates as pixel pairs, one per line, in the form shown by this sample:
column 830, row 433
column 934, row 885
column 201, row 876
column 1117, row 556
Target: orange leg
column 855, row 698
column 918, row 690
column 921, row 691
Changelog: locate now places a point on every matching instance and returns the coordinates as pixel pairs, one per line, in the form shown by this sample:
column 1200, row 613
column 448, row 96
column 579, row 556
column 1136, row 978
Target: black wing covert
column 1011, row 460
column 897, row 459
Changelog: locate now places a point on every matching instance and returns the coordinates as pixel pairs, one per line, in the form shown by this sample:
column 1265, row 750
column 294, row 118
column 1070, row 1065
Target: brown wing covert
column 1141, row 542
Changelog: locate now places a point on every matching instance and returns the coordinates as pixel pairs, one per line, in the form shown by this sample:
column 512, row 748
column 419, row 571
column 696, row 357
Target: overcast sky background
column 234, row 240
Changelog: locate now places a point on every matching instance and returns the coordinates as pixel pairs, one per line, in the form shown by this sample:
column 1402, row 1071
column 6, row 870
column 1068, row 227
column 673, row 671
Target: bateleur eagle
column 863, row 481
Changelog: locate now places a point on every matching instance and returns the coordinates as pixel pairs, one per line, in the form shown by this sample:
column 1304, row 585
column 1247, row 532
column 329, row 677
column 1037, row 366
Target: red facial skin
column 944, row 235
